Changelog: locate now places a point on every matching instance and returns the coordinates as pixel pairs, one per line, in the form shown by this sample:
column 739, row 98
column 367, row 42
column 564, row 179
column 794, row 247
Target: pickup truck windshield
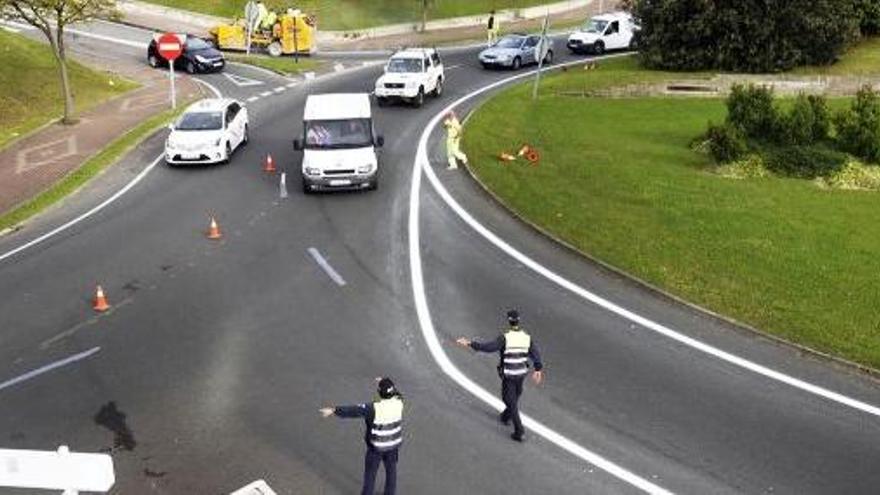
column 336, row 134
column 200, row 121
column 595, row 26
column 405, row 65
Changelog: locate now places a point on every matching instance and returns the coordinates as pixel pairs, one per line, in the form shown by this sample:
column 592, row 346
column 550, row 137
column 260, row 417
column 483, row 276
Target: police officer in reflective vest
column 516, row 348
column 384, row 433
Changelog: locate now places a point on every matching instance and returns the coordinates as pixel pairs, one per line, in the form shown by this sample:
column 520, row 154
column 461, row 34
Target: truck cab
column 339, row 144
column 614, row 31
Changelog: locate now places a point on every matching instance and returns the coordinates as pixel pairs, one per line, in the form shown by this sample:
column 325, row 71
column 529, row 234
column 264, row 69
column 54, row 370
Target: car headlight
column 365, row 169
column 313, row 171
column 201, row 59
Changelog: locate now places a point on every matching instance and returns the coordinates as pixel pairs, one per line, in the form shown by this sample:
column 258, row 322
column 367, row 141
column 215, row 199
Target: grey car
column 515, row 50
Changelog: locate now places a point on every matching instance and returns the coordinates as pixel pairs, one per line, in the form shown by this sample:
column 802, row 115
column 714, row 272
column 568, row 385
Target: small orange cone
column 506, row 157
column 533, row 156
column 524, row 150
column 270, row 165
column 100, row 303
column 214, row 230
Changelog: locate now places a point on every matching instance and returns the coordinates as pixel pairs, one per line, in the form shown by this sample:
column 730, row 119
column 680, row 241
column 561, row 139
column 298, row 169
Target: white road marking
column 265, row 93
column 326, row 266
column 451, row 67
column 255, row 68
column 210, row 86
column 433, row 342
column 309, row 75
column 110, row 39
column 242, row 81
column 10, row 29
column 422, row 161
column 49, row 367
column 253, row 99
column 258, row 487
column 279, row 89
column 292, row 84
column 338, row 68
column 21, row 26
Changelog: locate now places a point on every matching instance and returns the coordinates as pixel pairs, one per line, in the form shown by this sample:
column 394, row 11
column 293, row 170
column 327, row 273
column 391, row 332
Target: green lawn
column 861, row 60
column 617, row 180
column 285, row 65
column 30, row 94
column 357, row 14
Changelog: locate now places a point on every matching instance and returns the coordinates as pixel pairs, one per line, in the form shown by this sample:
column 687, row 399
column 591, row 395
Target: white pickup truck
column 410, row 75
column 614, row 31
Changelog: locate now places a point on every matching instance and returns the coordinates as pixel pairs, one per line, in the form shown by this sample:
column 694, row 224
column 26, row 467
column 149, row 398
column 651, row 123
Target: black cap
column 513, row 317
column 387, row 388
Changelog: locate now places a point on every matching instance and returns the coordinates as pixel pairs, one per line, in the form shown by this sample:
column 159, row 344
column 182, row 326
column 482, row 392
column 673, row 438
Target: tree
column 426, row 6
column 51, row 17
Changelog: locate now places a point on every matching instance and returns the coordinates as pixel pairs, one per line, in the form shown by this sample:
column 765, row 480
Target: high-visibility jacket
column 515, row 359
column 386, row 432
column 453, row 130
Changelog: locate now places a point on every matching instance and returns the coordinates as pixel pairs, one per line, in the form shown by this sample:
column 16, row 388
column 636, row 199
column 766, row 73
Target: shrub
column 869, row 15
column 751, row 167
column 805, row 162
column 821, row 118
column 744, row 35
column 855, row 175
column 726, row 143
column 750, row 109
column 796, row 127
column 858, row 128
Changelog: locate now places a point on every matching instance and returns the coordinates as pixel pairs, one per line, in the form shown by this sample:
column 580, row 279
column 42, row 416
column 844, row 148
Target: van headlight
column 313, row 171
column 365, row 169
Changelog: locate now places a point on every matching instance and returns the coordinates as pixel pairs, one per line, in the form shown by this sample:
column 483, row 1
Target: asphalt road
column 219, row 354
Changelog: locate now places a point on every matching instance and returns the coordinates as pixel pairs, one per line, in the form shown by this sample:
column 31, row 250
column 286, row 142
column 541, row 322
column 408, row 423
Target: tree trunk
column 57, row 44
column 424, row 15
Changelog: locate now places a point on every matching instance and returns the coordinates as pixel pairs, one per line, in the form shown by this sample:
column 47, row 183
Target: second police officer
column 515, row 348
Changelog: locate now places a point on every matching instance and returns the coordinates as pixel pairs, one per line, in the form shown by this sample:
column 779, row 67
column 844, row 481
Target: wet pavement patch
column 110, row 417
column 154, row 474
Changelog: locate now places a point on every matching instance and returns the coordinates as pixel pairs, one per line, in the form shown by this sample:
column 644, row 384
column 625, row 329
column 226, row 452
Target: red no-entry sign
column 169, row 46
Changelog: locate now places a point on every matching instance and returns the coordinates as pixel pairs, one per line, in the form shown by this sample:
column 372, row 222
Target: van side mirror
column 297, row 145
column 380, row 141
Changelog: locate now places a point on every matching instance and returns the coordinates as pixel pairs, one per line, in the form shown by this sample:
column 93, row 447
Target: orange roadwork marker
column 533, row 156
column 214, row 230
column 506, row 157
column 100, row 303
column 525, row 149
column 270, row 165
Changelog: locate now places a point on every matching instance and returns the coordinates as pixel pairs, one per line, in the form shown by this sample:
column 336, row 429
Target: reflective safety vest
column 387, row 430
column 516, row 353
column 453, row 130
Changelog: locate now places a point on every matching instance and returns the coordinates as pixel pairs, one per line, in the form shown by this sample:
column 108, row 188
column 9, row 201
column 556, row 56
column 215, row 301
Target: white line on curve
column 111, row 39
column 265, row 93
column 333, row 274
column 107, row 202
column 604, row 303
column 433, row 342
column 49, row 367
column 210, row 86
column 253, row 99
column 279, row 89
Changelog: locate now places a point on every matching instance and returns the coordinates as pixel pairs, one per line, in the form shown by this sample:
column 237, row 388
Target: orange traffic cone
column 100, row 303
column 270, row 165
column 506, row 157
column 533, row 156
column 214, row 230
column 524, row 150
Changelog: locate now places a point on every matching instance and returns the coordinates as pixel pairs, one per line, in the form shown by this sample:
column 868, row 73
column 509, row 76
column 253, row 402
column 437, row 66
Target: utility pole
column 541, row 53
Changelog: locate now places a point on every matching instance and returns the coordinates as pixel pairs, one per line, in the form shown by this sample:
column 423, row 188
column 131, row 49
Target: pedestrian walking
column 491, row 29
column 515, row 348
column 453, row 141
column 383, row 435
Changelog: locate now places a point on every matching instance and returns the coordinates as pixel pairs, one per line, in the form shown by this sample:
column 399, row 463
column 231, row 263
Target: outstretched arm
column 491, row 346
column 357, row 411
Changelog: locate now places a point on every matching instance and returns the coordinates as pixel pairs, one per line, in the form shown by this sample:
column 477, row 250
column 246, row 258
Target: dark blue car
column 198, row 56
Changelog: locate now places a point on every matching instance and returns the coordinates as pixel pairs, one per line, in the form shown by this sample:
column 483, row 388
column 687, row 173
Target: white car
column 410, row 75
column 614, row 31
column 209, row 131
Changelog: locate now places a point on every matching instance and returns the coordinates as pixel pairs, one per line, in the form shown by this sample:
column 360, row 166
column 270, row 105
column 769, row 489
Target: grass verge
column 862, row 59
column 286, row 66
column 30, row 91
column 92, row 167
column 357, row 14
column 618, row 181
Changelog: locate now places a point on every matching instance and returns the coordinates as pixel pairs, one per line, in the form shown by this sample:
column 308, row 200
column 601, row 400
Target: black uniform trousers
column 511, row 389
column 371, row 467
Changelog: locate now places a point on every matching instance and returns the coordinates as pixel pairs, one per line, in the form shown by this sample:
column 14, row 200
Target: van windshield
column 594, row 26
column 335, row 134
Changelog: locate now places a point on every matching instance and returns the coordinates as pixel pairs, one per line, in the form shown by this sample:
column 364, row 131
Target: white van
column 339, row 143
column 614, row 31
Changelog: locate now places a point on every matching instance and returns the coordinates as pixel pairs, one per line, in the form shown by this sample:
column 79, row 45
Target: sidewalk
column 36, row 162
column 465, row 29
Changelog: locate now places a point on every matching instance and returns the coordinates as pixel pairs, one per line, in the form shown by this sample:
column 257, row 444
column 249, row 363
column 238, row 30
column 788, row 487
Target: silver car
column 515, row 50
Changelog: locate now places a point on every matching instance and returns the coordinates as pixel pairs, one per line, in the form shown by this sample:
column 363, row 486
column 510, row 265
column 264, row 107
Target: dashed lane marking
column 49, row 367
column 292, row 84
column 333, row 274
column 279, row 89
column 242, row 81
column 265, row 93
column 253, row 99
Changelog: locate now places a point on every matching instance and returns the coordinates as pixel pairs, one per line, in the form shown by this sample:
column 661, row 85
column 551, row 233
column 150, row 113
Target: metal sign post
column 251, row 17
column 170, row 47
column 541, row 53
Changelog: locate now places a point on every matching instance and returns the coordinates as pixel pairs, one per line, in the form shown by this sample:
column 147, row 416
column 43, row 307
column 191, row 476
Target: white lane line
column 338, row 68
column 279, row 89
column 118, row 41
column 326, row 266
column 258, row 487
column 253, row 99
column 242, row 81
column 18, row 25
column 265, row 93
column 422, row 160
column 456, row 66
column 433, row 342
column 255, row 68
column 107, row 202
column 210, row 86
column 10, row 29
column 309, row 75
column 292, row 84
column 49, row 367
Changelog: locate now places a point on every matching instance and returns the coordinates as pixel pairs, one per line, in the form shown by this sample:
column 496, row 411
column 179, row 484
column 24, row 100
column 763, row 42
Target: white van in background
column 614, row 31
column 339, row 143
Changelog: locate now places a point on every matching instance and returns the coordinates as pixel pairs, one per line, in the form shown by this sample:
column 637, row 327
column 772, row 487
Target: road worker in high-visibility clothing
column 384, row 433
column 516, row 348
column 453, row 141
column 492, row 29
column 262, row 14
